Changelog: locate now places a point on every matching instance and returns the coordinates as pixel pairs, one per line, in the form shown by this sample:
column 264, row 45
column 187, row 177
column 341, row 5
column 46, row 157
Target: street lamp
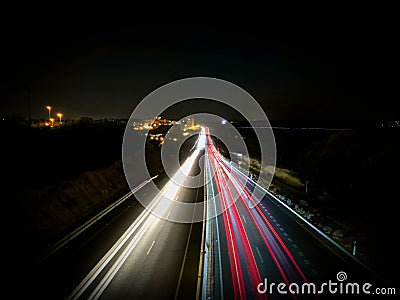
column 60, row 115
column 49, row 109
column 52, row 122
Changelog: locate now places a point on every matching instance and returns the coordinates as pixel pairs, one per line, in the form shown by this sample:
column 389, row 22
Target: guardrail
column 68, row 238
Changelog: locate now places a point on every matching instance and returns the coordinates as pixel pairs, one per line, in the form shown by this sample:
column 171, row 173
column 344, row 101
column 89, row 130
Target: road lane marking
column 168, row 214
column 244, row 219
column 294, row 246
column 141, row 224
column 259, row 254
column 285, row 234
column 185, row 253
column 152, row 244
column 307, row 261
column 218, row 235
column 311, row 226
column 281, row 229
column 277, row 224
column 105, row 281
column 290, row 240
column 301, row 253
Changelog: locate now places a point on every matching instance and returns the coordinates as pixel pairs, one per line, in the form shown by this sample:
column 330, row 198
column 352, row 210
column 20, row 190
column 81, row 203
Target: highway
column 257, row 240
column 133, row 254
column 155, row 258
column 137, row 255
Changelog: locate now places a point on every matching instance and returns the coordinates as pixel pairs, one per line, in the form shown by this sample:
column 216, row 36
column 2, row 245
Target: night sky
column 336, row 68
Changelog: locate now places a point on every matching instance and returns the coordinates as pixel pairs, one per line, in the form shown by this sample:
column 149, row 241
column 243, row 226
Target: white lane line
column 131, row 231
column 285, row 234
column 301, row 253
column 96, row 293
column 290, row 240
column 294, row 246
column 281, row 229
column 307, row 261
column 277, row 224
column 152, row 244
column 244, row 219
column 259, row 254
column 304, row 221
column 168, row 214
column 217, row 231
column 185, row 254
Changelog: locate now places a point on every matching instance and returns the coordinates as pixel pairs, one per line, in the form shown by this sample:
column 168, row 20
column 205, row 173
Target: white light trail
column 144, row 224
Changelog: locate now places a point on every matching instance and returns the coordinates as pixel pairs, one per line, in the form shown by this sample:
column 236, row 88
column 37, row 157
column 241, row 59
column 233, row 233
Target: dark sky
column 325, row 69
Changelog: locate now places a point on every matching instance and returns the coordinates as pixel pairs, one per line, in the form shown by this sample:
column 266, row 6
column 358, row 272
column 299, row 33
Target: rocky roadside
column 54, row 209
column 347, row 234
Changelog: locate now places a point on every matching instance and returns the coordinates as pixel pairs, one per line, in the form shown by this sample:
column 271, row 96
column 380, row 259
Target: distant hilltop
column 321, row 124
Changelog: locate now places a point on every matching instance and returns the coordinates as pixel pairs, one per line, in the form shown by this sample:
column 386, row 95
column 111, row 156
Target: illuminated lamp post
column 49, row 109
column 60, row 115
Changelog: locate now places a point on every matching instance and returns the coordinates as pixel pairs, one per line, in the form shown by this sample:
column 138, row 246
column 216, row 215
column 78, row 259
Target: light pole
column 60, row 115
column 52, row 122
column 49, row 109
